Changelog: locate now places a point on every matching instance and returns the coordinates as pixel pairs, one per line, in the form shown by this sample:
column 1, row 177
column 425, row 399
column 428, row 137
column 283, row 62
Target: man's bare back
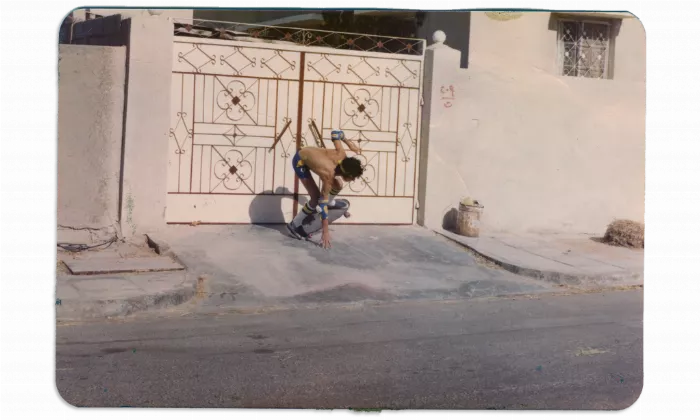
column 331, row 165
column 322, row 162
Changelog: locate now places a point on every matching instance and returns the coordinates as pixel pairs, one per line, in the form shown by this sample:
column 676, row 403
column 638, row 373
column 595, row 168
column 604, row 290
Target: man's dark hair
column 352, row 167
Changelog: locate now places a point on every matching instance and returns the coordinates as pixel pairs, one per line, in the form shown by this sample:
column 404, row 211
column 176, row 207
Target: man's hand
column 325, row 236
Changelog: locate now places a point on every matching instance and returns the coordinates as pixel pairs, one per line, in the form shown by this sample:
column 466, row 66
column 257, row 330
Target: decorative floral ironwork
column 197, row 68
column 395, row 72
column 235, row 134
column 235, row 100
column 361, row 107
column 317, row 67
column 309, row 37
column 374, row 71
column 237, row 53
column 181, row 133
column 407, row 132
column 277, row 53
column 244, row 169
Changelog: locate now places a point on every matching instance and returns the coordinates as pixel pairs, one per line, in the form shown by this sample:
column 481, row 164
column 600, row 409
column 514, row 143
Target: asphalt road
column 549, row 352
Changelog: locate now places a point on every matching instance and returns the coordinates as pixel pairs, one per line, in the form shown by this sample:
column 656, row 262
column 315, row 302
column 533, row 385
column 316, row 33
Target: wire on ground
column 83, row 247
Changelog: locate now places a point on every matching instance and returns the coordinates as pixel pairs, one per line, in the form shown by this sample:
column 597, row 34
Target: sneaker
column 296, row 231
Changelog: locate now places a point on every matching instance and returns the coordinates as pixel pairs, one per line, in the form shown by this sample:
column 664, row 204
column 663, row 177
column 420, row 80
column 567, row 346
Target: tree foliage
column 384, row 24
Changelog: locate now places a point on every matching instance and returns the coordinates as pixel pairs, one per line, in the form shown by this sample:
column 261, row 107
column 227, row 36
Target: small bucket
column 469, row 219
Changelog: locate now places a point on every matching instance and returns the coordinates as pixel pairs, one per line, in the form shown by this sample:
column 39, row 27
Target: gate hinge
column 421, row 100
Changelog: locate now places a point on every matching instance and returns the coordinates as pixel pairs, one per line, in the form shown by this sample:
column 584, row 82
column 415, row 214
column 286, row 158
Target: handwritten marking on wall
column 447, row 95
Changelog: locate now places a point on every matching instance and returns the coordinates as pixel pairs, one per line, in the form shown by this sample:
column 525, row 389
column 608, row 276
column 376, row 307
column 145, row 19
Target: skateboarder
column 331, row 166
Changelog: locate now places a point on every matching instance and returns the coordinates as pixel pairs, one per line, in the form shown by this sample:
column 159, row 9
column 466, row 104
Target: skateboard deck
column 313, row 222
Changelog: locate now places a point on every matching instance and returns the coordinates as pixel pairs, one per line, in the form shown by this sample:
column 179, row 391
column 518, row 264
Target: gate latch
column 277, row 140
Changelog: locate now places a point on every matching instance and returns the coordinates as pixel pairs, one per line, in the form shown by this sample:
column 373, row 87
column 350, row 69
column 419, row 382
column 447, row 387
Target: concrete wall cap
column 439, row 37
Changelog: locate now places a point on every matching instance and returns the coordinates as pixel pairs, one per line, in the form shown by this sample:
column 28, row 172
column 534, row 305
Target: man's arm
column 337, row 136
column 339, row 149
column 351, row 146
column 326, row 185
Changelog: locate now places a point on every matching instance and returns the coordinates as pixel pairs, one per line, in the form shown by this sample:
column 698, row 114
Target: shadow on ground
column 272, row 208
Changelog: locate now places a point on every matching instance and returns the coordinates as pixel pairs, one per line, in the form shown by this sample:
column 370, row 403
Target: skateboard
column 313, row 223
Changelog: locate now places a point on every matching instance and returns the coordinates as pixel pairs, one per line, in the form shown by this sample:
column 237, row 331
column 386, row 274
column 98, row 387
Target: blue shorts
column 300, row 169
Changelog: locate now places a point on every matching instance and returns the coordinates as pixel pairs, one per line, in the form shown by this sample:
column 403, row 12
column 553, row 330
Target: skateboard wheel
column 347, row 214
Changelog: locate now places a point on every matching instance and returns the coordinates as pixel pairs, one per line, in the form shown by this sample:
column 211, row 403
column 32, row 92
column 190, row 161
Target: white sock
column 331, row 197
column 303, row 214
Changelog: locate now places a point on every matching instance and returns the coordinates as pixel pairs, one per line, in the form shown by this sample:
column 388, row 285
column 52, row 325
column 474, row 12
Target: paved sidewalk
column 255, row 266
column 115, row 294
column 573, row 259
column 100, row 296
column 246, row 267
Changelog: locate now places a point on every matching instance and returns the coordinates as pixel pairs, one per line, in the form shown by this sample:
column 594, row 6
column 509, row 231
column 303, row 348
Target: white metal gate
column 251, row 105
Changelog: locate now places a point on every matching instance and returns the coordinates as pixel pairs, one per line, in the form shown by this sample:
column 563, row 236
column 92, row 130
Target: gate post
column 441, row 63
column 146, row 124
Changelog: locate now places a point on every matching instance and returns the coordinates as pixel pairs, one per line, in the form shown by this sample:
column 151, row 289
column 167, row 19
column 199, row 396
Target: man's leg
column 314, row 195
column 309, row 209
column 304, row 174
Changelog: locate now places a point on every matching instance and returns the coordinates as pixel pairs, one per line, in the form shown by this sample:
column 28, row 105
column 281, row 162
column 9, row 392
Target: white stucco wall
column 147, row 125
column 530, row 42
column 539, row 150
column 90, row 111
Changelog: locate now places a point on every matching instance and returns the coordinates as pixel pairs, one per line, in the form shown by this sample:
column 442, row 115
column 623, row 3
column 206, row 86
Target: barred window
column 584, row 48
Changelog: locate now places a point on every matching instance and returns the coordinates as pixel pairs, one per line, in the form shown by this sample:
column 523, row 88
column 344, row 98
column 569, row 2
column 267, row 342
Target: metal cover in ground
column 122, row 265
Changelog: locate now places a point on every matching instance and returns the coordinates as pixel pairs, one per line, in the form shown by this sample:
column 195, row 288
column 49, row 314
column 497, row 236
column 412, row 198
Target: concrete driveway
column 253, row 264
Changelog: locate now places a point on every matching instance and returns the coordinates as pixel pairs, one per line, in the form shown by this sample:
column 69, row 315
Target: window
column 584, row 47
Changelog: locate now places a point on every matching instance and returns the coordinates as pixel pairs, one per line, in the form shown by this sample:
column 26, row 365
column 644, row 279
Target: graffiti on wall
column 447, row 95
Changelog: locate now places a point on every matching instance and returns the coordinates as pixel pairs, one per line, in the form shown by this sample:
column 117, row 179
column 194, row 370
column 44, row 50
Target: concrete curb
column 70, row 310
column 162, row 248
column 596, row 280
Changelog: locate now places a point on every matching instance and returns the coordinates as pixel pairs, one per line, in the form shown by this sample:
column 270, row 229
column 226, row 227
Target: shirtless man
column 331, row 166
